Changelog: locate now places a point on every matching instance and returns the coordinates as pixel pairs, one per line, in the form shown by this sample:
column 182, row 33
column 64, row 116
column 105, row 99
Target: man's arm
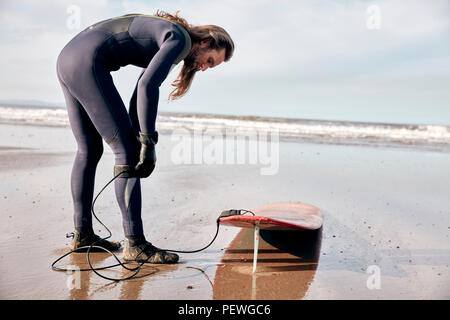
column 153, row 76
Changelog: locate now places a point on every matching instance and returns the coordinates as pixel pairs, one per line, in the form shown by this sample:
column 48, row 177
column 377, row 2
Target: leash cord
column 136, row 269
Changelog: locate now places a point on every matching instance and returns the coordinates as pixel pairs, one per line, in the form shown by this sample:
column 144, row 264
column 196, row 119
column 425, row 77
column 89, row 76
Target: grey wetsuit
column 96, row 111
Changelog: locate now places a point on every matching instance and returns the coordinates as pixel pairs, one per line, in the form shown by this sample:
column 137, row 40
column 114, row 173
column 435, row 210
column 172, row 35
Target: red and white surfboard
column 279, row 216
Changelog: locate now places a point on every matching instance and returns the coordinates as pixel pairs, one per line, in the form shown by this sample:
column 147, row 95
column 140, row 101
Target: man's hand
column 147, row 156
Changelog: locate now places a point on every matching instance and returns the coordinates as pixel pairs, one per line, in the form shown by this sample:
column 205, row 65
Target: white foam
column 315, row 130
column 49, row 116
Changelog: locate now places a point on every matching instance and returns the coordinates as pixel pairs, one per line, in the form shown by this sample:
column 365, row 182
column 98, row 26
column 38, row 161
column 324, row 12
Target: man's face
column 206, row 57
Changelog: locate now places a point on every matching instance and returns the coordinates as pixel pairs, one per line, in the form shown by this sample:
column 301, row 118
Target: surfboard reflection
column 287, row 262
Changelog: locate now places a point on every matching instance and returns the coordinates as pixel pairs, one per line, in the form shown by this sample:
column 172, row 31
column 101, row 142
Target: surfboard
column 279, row 216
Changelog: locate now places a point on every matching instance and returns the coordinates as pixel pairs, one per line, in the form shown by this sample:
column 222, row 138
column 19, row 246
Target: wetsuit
column 96, row 111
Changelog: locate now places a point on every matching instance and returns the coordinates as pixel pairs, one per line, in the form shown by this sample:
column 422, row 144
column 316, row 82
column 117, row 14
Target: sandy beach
column 386, row 214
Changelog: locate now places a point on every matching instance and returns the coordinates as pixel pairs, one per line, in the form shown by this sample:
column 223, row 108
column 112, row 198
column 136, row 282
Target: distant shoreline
column 425, row 137
column 241, row 117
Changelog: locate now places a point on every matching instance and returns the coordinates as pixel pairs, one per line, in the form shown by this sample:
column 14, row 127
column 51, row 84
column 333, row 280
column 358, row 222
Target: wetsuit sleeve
column 133, row 108
column 151, row 79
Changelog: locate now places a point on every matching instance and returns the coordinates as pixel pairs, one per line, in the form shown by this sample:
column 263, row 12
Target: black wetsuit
column 96, row 111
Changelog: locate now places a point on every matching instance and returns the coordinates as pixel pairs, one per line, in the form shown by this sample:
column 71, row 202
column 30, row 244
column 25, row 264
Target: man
column 96, row 111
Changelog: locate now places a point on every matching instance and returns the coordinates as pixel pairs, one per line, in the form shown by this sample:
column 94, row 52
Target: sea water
column 435, row 137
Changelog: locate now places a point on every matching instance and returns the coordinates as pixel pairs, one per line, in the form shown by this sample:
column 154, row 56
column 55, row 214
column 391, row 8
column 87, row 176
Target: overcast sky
column 385, row 61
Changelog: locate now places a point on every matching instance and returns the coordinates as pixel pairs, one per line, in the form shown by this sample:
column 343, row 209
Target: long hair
column 218, row 39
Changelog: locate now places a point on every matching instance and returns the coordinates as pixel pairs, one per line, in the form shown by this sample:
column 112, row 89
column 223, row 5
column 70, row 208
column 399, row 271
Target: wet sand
column 384, row 209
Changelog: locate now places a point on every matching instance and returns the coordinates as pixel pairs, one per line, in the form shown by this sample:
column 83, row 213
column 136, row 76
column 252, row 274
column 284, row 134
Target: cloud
column 281, row 47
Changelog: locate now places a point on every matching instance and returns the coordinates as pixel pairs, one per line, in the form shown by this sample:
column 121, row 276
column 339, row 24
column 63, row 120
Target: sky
column 374, row 61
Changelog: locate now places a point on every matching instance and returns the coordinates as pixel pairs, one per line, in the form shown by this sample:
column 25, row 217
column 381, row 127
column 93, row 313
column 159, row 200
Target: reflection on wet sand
column 132, row 289
column 84, row 285
column 287, row 262
column 79, row 282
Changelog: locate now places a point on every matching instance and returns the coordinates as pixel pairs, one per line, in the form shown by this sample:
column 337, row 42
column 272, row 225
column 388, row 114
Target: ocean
column 423, row 136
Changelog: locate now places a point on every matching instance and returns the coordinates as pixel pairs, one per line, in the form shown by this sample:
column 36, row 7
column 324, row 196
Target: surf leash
column 138, row 268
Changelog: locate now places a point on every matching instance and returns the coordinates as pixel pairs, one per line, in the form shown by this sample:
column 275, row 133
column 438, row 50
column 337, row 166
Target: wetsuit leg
column 90, row 149
column 93, row 88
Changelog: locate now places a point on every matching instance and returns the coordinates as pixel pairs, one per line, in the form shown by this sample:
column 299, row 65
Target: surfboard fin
column 235, row 212
column 255, row 248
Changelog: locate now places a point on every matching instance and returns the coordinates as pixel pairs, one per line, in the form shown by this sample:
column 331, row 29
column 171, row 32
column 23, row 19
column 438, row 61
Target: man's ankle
column 135, row 240
column 84, row 231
